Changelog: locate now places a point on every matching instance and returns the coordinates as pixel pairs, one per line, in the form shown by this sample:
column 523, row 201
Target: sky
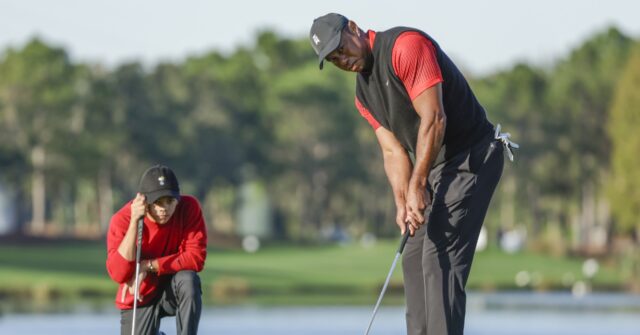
column 482, row 36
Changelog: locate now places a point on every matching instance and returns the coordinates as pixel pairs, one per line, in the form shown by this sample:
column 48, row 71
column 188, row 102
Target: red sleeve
column 415, row 63
column 367, row 115
column 119, row 269
column 193, row 248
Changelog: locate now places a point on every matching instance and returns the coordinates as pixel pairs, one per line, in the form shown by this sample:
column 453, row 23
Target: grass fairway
column 311, row 275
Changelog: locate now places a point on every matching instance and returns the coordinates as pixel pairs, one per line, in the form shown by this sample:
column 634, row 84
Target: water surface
column 487, row 314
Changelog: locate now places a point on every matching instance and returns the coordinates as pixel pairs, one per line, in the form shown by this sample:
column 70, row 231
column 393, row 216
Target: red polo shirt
column 414, row 62
column 180, row 244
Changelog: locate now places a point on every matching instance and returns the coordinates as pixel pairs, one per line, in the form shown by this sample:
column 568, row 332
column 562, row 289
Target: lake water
column 487, row 314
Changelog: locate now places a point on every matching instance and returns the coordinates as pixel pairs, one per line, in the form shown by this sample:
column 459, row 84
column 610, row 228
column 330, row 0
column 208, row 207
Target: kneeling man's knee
column 187, row 284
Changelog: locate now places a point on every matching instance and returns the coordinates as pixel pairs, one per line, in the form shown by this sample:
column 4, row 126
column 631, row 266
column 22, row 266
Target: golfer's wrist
column 150, row 267
column 400, row 199
column 417, row 183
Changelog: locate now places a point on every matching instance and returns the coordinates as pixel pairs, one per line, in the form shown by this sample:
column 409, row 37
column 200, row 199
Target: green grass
column 496, row 269
column 275, row 275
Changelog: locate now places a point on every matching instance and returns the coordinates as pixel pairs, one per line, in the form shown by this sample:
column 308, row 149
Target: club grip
column 405, row 237
column 139, row 234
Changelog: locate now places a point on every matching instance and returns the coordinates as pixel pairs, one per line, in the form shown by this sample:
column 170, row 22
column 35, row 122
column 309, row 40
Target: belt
column 506, row 142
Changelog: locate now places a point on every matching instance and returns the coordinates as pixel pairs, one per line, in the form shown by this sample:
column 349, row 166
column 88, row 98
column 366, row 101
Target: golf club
column 135, row 288
column 405, row 237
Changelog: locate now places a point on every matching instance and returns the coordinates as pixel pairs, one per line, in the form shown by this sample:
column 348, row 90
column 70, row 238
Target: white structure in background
column 513, row 240
column 368, row 240
column 7, row 212
column 254, row 215
column 523, row 278
column 590, row 267
column 483, row 240
column 590, row 229
column 579, row 289
column 250, row 244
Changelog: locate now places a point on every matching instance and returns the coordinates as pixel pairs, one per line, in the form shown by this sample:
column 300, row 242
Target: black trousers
column 181, row 297
column 437, row 260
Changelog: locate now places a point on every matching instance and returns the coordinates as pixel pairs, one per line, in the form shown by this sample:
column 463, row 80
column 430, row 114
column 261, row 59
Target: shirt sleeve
column 367, row 115
column 415, row 63
column 119, row 269
column 193, row 248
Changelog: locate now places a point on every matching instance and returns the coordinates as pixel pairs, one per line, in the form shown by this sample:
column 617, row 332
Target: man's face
column 162, row 209
column 352, row 54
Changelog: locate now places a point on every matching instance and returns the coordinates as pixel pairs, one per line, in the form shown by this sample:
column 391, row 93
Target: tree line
column 75, row 137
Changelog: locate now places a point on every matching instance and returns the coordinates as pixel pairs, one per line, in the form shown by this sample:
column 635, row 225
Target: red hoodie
column 180, row 244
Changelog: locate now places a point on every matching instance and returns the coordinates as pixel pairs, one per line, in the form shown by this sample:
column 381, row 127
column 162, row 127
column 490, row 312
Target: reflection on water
column 495, row 314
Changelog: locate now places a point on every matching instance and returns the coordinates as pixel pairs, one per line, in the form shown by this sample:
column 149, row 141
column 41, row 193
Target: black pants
column 437, row 260
column 181, row 297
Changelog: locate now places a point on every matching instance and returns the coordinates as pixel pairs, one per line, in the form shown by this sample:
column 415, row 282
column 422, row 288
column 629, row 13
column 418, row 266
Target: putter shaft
column 136, row 284
column 386, row 282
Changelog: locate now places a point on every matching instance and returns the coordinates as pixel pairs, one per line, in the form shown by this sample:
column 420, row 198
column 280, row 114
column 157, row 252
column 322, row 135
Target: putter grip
column 139, row 234
column 405, row 237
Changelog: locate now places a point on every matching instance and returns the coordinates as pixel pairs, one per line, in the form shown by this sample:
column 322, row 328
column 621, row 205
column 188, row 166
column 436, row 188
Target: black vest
column 384, row 95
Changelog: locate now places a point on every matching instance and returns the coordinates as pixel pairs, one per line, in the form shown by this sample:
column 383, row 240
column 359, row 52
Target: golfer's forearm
column 127, row 247
column 430, row 137
column 190, row 260
column 397, row 166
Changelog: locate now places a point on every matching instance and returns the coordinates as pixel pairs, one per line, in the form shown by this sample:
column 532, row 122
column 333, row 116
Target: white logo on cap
column 161, row 180
column 316, row 40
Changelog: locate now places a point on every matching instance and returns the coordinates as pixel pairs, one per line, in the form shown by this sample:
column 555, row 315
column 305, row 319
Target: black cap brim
column 152, row 197
column 329, row 48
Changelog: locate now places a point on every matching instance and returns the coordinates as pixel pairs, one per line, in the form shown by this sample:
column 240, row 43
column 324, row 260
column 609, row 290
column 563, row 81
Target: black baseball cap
column 325, row 34
column 157, row 182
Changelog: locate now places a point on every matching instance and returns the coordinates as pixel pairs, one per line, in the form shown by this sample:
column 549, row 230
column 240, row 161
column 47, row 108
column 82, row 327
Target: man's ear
column 353, row 27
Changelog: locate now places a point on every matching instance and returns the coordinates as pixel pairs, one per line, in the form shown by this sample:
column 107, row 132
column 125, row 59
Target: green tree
column 516, row 99
column 37, row 92
column 580, row 91
column 623, row 125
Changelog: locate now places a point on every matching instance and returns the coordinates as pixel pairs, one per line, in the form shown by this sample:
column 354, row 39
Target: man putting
column 441, row 155
column 174, row 248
